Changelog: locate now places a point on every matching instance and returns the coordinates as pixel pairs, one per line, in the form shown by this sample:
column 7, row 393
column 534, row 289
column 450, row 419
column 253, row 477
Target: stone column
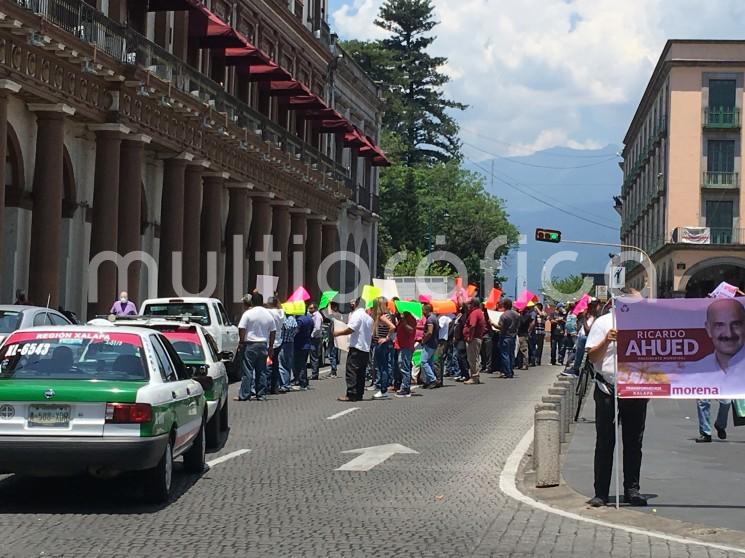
column 192, row 227
column 314, row 251
column 171, row 220
column 7, row 88
column 212, row 229
column 298, row 246
column 105, row 224
column 261, row 224
column 43, row 279
column 330, row 245
column 281, row 234
column 235, row 252
column 130, row 207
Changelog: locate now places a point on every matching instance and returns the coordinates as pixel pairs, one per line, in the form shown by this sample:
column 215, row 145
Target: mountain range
column 570, row 190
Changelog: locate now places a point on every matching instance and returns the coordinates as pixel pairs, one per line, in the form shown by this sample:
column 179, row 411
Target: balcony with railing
column 721, row 117
column 128, row 47
column 717, row 179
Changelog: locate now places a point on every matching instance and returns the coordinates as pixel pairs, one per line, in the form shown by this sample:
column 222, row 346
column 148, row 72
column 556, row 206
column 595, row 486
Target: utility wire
column 543, row 201
column 508, row 144
column 523, row 163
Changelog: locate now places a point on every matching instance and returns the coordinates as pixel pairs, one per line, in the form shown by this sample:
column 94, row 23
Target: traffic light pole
column 652, row 286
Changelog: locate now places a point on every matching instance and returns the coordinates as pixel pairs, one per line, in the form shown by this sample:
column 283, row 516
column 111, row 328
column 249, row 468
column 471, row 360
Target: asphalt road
column 286, row 498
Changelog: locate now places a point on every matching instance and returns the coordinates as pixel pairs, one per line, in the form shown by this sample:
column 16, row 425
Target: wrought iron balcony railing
column 722, row 117
column 716, row 179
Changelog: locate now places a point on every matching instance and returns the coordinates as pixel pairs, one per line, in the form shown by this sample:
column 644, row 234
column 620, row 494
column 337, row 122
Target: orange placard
column 443, row 307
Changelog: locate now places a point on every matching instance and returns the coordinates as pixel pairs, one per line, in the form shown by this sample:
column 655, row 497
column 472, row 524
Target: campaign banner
column 685, row 348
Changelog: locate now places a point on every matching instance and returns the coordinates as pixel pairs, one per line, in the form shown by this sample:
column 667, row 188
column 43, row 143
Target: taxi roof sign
column 547, row 235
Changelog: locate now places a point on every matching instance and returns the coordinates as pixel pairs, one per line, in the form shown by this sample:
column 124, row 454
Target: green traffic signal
column 547, row 235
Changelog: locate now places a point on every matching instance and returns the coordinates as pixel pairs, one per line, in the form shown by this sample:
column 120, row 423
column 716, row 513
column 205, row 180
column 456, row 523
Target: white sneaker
column 380, row 395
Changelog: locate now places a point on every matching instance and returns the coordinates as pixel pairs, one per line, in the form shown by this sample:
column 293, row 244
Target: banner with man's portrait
column 689, row 348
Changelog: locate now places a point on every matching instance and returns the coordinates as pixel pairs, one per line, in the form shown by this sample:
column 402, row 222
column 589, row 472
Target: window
column 223, row 314
column 58, row 320
column 721, row 156
column 41, row 319
column 212, row 346
column 180, row 308
column 10, row 320
column 217, row 313
column 167, row 372
column 722, row 93
column 719, row 214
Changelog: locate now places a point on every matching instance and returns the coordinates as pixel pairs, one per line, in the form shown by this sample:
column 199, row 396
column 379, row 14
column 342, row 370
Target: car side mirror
column 225, row 355
column 206, row 382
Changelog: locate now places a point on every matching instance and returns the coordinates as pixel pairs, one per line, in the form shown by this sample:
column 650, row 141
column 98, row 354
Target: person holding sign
column 601, row 349
column 359, row 329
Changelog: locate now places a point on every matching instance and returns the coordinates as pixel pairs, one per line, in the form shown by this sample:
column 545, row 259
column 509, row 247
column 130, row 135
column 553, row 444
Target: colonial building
column 180, row 126
column 682, row 163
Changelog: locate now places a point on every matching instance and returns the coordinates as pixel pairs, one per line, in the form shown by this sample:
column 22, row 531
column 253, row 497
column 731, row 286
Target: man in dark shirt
column 473, row 333
column 429, row 346
column 302, row 348
column 508, row 324
column 524, row 328
column 558, row 328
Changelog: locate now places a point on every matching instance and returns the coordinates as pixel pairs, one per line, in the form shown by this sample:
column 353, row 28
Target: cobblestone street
column 285, row 498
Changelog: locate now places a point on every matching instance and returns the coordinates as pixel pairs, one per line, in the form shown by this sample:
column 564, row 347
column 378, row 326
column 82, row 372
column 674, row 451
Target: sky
column 546, row 73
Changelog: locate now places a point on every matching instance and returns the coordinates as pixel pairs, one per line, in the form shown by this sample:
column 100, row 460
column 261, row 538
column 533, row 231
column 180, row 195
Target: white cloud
column 543, row 73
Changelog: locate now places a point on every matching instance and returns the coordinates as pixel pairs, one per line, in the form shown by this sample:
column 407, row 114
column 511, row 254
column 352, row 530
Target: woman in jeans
column 383, row 331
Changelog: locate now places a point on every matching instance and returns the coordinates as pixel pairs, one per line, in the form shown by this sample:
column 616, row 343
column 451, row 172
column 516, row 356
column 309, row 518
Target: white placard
column 388, row 288
column 342, row 342
column 618, row 277
column 266, row 285
column 494, row 317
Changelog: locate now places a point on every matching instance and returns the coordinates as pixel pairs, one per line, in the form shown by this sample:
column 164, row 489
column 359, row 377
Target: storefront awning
column 211, row 31
column 289, row 88
column 266, row 72
column 246, row 55
column 306, row 102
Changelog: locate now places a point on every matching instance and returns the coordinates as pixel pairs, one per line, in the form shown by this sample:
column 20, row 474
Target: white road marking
column 373, row 456
column 342, row 413
column 227, row 456
column 508, row 485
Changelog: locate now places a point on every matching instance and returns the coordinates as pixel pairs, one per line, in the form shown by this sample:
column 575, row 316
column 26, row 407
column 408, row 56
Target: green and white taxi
column 197, row 348
column 100, row 400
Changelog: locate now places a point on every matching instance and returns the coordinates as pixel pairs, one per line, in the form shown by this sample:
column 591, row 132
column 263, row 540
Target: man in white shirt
column 601, row 349
column 316, row 337
column 257, row 330
column 442, row 340
column 359, row 328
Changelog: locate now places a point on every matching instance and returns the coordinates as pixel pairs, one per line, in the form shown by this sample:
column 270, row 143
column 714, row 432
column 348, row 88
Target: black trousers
column 355, row 373
column 486, row 352
column 462, row 357
column 538, row 354
column 633, row 416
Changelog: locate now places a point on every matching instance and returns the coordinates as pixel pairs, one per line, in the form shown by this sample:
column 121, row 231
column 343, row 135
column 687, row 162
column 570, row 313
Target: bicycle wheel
column 582, row 383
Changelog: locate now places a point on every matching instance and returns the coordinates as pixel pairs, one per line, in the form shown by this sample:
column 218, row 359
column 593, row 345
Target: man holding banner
column 601, row 348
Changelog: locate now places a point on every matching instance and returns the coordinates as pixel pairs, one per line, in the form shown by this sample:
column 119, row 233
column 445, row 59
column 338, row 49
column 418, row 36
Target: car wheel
column 224, row 416
column 194, row 457
column 213, row 430
column 159, row 479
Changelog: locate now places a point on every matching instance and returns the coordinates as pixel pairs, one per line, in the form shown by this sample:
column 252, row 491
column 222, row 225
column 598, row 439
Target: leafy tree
column 566, row 289
column 416, row 107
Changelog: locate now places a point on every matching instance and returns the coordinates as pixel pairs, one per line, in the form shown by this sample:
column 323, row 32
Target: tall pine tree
column 416, row 107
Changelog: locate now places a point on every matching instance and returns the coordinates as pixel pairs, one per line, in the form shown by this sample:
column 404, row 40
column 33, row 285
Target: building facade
column 180, row 127
column 682, row 164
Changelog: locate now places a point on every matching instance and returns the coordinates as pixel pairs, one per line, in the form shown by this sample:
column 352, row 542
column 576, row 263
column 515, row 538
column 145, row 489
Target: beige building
column 683, row 166
column 180, row 126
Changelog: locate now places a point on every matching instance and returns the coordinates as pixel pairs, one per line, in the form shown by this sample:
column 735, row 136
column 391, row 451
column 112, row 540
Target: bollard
column 538, row 408
column 566, row 406
column 547, row 435
column 569, row 383
column 557, row 401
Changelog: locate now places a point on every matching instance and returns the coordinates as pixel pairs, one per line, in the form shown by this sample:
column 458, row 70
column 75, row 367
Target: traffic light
column 547, row 235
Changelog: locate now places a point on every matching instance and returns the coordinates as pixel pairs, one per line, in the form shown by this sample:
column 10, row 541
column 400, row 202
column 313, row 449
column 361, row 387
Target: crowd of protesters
column 389, row 351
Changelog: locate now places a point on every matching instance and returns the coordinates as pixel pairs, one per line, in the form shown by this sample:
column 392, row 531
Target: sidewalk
column 698, row 483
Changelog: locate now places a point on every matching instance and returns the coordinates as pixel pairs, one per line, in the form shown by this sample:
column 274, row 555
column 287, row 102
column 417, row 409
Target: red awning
column 211, row 31
column 267, row 72
column 354, row 139
column 246, row 55
column 334, row 126
column 289, row 88
column 380, row 161
column 306, row 102
column 321, row 114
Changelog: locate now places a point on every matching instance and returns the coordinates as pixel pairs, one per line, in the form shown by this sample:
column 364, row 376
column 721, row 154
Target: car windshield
column 73, row 355
column 10, row 320
column 196, row 309
column 187, row 344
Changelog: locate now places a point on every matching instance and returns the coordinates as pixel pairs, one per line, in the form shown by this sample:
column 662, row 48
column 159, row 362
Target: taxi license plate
column 49, row 416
